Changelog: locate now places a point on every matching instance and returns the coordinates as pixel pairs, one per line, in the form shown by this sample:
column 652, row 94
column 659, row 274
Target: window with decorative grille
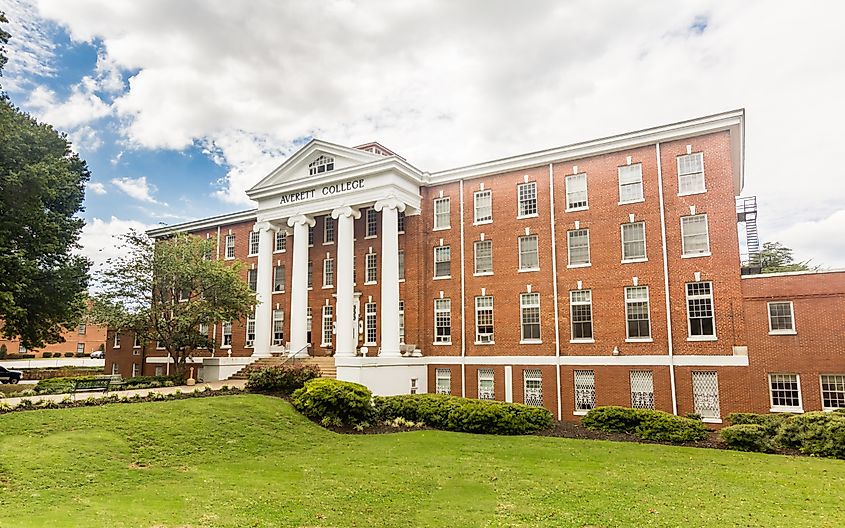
column 585, row 390
column 485, row 385
column 443, row 383
column 705, row 394
column 642, row 389
column 533, row 387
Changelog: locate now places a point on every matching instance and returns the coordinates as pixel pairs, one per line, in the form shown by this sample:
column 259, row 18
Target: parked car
column 97, row 354
column 10, row 376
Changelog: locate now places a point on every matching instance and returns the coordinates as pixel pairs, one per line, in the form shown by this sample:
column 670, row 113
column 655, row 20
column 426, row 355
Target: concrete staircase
column 326, row 365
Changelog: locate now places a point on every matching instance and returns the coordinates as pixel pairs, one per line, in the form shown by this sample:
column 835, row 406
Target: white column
column 299, row 285
column 390, row 208
column 264, row 289
column 344, row 312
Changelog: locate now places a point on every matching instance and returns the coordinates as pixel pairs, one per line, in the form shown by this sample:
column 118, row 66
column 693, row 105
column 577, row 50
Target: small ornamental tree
column 162, row 291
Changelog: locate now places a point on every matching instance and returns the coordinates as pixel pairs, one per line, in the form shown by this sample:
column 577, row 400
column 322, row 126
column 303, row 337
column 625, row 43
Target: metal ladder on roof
column 746, row 212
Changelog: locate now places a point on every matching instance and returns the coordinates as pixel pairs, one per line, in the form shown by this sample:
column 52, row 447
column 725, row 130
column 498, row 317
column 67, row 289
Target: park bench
column 99, row 384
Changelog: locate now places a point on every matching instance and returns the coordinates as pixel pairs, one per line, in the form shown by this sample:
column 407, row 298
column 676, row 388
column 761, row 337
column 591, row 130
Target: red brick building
column 83, row 339
column 604, row 272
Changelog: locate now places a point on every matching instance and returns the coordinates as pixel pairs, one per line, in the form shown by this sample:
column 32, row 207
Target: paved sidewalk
column 143, row 392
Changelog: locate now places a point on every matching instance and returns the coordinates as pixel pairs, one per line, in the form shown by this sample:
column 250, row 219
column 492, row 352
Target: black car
column 10, row 376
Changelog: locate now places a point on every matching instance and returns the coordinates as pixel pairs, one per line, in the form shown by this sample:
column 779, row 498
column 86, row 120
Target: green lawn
column 248, row 461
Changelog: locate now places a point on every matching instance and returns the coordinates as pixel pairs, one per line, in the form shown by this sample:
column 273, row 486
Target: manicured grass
column 250, row 460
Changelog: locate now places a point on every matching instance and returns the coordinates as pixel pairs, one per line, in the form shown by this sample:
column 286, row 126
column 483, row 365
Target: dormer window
column 321, row 165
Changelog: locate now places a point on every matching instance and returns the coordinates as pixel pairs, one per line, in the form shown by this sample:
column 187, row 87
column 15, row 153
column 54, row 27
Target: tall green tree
column 776, row 258
column 42, row 185
column 162, row 291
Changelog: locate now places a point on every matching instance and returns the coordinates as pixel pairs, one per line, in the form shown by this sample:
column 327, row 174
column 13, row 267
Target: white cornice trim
column 623, row 360
column 204, row 223
column 792, row 273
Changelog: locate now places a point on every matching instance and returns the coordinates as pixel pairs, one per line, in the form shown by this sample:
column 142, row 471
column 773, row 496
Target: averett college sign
column 326, row 190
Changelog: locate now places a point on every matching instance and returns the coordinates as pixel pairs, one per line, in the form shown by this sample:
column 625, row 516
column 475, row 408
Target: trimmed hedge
column 746, row 437
column 814, row 433
column 647, row 424
column 334, row 402
column 613, row 419
column 453, row 413
column 770, row 422
column 284, row 379
column 61, row 385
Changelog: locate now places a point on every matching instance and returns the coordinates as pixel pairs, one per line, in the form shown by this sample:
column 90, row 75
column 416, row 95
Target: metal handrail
column 292, row 356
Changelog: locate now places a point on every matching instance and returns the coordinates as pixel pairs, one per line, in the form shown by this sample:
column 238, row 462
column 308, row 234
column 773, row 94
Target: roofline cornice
column 204, row 223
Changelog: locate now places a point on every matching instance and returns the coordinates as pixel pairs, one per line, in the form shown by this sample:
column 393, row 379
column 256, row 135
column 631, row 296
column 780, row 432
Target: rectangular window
column 370, row 329
column 278, row 327
column 484, row 319
column 442, row 262
column 833, row 391
column 695, row 237
column 82, row 329
column 279, row 278
column 705, row 395
column 136, row 370
column 532, row 380
column 585, row 391
column 485, row 385
column 642, row 389
column 310, row 274
column 529, row 317
column 230, row 246
column 250, row 332
column 700, row 319
column 401, row 321
column 136, row 343
column 309, row 320
column 400, row 222
column 579, row 247
column 576, row 192
column 328, row 230
column 581, row 313
column 371, row 218
column 483, row 206
column 442, row 320
column 443, row 383
column 281, row 241
column 401, row 256
column 310, row 235
column 80, row 348
column 483, row 251
column 227, row 334
column 252, row 279
column 328, row 273
column 116, row 343
column 527, row 196
column 203, row 329
column 633, row 241
column 253, row 243
column 691, row 174
column 327, row 326
column 371, row 272
column 631, row 183
column 781, row 318
column 159, row 370
column 529, row 258
column 785, row 392
column 114, row 369
column 637, row 313
column 441, row 213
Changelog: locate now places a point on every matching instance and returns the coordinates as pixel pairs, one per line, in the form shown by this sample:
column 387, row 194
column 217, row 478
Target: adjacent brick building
column 605, row 272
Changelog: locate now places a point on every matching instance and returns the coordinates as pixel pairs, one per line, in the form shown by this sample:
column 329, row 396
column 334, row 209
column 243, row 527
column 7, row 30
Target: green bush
column 334, row 402
column 68, row 354
column 27, row 356
column 770, row 422
column 144, row 382
column 58, row 385
column 814, row 433
column 613, row 419
column 283, row 379
column 747, row 437
column 452, row 413
column 664, row 427
column 47, row 355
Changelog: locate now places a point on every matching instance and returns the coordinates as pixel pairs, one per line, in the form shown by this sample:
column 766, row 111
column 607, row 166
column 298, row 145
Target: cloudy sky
column 178, row 107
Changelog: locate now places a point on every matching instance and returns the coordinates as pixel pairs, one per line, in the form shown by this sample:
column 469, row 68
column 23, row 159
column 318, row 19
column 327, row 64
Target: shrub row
column 46, row 355
column 283, row 379
column 334, row 402
column 813, row 433
column 61, row 385
column 647, row 424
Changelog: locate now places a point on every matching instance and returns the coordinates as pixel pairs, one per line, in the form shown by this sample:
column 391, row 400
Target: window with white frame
column 230, row 246
column 401, row 258
column 401, row 321
column 116, row 343
column 695, row 237
column 250, row 332
column 631, row 183
column 576, row 192
column 781, row 318
column 442, row 262
column 529, row 257
column 637, row 313
column 633, row 241
column 328, row 273
column 700, row 318
column 442, row 320
column 371, row 219
column 443, row 381
column 279, row 278
column 441, row 213
column 159, row 371
column 483, row 206
column 310, row 236
column 136, row 370
column 309, row 320
column 785, row 392
column 370, row 330
column 80, row 348
column 484, row 319
column 581, row 314
column 278, row 327
column 203, row 329
column 227, row 334
column 642, row 389
column 486, row 389
column 400, row 222
column 281, row 241
column 532, row 380
column 115, row 370
column 585, row 391
column 705, row 394
column 253, row 243
column 483, row 251
column 309, row 279
column 251, row 279
column 320, row 165
column 529, row 317
column 527, row 196
column 578, row 244
column 136, row 343
column 82, row 329
column 328, row 230
column 328, row 326
column 833, row 391
column 371, row 271
column 691, row 174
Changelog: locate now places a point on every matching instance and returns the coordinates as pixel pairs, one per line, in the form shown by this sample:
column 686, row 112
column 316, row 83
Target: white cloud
column 81, row 107
column 96, row 188
column 137, row 188
column 819, row 241
column 99, row 239
column 31, row 50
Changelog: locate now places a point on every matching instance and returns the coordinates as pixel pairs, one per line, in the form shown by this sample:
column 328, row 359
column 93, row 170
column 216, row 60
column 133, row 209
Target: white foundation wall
column 385, row 378
column 219, row 369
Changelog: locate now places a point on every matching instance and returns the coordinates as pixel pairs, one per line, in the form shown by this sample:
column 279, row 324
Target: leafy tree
column 163, row 290
column 776, row 258
column 42, row 284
